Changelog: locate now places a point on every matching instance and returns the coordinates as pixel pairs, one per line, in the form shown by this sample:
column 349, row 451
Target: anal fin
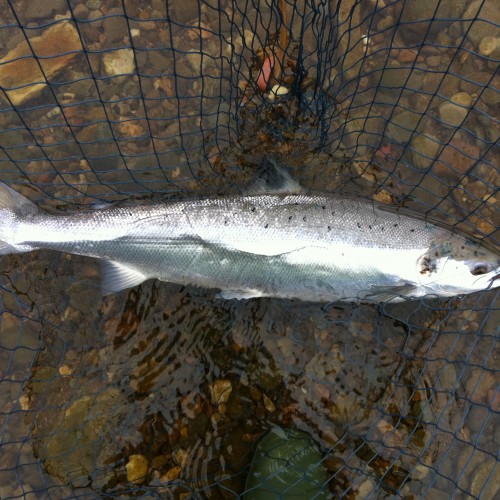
column 116, row 277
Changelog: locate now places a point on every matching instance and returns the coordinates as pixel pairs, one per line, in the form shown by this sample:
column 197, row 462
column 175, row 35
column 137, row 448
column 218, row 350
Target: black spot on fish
column 253, row 209
column 323, row 207
column 291, row 217
column 266, row 226
column 359, row 225
column 396, row 224
column 412, row 230
column 369, row 227
column 329, row 228
column 304, row 218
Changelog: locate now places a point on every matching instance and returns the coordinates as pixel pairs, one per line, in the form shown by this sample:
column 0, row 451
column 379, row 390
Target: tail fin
column 13, row 206
column 16, row 202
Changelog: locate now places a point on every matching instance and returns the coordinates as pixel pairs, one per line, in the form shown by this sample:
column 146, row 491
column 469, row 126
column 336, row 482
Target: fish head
column 457, row 265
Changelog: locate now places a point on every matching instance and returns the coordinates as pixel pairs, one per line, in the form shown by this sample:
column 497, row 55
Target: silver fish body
column 308, row 247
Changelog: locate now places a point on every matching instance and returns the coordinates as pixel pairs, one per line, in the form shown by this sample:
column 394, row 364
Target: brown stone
column 456, row 159
column 407, row 56
column 19, row 68
column 171, row 475
column 137, row 468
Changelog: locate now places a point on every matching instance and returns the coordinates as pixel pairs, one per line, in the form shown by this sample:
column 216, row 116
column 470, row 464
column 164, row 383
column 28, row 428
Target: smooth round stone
column 425, row 149
column 487, row 18
column 454, row 113
column 402, row 125
column 490, row 47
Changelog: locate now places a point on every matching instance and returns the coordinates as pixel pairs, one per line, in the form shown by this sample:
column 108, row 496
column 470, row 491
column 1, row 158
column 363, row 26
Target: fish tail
column 13, row 208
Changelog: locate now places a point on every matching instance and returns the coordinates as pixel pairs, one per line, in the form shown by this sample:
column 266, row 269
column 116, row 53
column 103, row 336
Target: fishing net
column 163, row 391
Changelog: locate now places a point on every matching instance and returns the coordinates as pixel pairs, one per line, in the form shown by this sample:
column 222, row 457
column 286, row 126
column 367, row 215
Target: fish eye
column 479, row 269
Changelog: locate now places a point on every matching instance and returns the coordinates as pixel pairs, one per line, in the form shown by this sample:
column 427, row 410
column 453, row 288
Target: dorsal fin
column 272, row 179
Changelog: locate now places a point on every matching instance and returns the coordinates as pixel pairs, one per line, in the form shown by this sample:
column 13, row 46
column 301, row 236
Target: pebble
column 119, row 62
column 194, row 60
column 454, row 113
column 220, row 390
column 416, row 14
column 65, row 370
column 81, row 11
column 485, row 479
column 365, row 489
column 185, row 10
column 115, row 27
column 433, row 61
column 147, row 24
column 494, row 399
column 444, row 38
column 491, row 97
column 90, row 34
column 424, row 150
column 44, row 10
column 171, row 475
column 490, row 47
column 268, row 404
column 477, row 418
column 486, row 24
column 462, row 98
column 456, row 159
column 407, row 56
column 402, row 125
column 394, row 76
column 474, row 82
column 385, row 23
column 137, row 468
column 478, row 385
column 181, row 457
column 277, row 90
column 95, row 17
column 94, row 4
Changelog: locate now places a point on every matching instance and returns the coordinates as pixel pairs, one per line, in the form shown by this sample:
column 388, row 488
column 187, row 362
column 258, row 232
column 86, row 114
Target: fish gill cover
column 162, row 391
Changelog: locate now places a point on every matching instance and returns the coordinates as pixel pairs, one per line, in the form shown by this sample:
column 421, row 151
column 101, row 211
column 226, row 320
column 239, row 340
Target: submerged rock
column 137, row 468
column 286, row 464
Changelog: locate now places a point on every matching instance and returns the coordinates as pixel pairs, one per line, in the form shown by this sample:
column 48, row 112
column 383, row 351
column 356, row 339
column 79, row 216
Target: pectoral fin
column 394, row 293
column 239, row 294
column 116, row 277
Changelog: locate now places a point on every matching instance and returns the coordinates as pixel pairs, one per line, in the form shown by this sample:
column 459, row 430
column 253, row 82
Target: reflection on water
column 165, row 389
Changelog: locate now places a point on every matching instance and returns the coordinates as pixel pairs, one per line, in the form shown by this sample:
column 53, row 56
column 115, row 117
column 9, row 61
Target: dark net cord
column 162, row 391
